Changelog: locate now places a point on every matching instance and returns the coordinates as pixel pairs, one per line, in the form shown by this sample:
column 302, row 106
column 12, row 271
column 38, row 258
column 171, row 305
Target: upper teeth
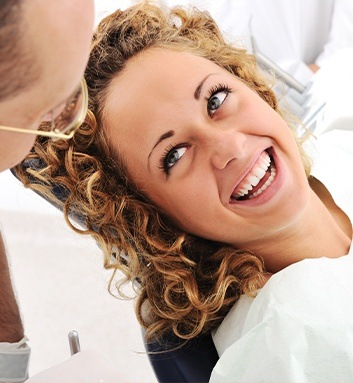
column 254, row 176
column 266, row 184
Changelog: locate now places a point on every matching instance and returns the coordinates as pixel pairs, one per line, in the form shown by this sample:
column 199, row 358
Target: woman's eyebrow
column 164, row 136
column 199, row 87
column 171, row 133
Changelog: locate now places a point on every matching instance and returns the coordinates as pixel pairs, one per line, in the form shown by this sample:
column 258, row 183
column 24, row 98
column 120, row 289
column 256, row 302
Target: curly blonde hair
column 188, row 283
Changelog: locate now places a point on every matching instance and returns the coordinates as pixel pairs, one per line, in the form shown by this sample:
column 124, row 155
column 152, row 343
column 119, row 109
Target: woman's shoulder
column 332, row 157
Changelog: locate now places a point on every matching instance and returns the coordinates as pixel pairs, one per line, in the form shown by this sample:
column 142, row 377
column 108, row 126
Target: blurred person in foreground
column 44, row 47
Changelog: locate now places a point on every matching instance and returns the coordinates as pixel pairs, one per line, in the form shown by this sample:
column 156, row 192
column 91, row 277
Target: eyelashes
column 221, row 87
column 172, row 154
column 216, row 97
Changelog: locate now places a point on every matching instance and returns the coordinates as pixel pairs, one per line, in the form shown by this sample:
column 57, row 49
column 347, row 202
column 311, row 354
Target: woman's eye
column 217, row 95
column 172, row 156
column 215, row 101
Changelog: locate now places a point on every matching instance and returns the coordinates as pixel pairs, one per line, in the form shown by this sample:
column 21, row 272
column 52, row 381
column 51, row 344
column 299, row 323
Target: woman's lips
column 258, row 179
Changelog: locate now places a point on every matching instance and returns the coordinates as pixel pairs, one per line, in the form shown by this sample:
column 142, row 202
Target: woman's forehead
column 158, row 71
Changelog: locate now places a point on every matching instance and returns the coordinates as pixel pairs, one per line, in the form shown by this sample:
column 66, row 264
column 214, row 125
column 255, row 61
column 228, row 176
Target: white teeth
column 254, row 180
column 259, row 172
column 255, row 175
column 266, row 160
column 266, row 184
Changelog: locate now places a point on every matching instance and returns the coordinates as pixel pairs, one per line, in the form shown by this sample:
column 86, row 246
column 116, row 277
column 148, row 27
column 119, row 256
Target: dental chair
column 173, row 361
column 191, row 362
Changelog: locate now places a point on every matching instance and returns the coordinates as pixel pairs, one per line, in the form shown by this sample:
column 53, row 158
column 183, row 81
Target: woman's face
column 206, row 148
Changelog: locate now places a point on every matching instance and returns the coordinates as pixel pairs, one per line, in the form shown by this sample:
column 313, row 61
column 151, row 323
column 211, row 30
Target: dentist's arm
column 11, row 328
column 14, row 351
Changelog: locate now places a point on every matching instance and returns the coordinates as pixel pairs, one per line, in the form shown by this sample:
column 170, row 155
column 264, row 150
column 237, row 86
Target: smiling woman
column 186, row 171
column 191, row 127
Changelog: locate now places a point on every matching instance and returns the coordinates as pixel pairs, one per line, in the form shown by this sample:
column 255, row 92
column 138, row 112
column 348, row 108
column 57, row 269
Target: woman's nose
column 225, row 146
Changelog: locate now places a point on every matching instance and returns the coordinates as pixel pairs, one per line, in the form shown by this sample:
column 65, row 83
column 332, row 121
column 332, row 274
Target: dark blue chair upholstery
column 174, row 361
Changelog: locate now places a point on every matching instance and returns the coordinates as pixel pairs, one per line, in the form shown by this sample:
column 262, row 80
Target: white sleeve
column 14, row 361
column 341, row 32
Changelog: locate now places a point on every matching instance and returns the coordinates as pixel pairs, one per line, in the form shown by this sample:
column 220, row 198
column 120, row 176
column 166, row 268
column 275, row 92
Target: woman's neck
column 337, row 213
column 324, row 230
